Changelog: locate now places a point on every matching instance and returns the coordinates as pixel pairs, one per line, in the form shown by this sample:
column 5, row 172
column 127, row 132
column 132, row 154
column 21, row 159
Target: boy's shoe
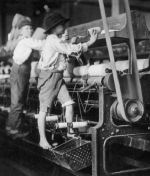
column 21, row 134
column 15, row 133
column 7, row 128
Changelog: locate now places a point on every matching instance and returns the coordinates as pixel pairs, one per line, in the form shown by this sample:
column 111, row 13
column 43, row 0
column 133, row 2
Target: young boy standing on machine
column 52, row 64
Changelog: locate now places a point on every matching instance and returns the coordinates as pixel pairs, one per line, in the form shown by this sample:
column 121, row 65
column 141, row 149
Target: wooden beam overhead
column 143, row 5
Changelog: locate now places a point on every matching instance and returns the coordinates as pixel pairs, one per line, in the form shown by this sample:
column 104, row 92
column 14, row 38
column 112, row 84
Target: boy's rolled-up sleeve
column 33, row 43
column 68, row 48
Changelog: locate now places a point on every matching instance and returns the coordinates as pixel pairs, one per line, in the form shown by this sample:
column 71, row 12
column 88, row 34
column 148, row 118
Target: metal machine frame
column 106, row 130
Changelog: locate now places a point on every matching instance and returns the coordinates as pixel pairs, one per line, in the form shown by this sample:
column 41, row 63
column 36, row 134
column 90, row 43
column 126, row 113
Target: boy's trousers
column 19, row 82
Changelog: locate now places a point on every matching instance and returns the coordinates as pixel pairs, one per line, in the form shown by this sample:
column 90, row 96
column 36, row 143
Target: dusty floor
column 14, row 162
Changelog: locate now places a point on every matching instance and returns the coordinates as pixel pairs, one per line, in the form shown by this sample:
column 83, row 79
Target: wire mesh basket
column 74, row 154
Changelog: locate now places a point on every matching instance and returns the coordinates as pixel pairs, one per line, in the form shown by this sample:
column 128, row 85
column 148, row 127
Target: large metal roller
column 134, row 110
column 101, row 69
column 55, row 118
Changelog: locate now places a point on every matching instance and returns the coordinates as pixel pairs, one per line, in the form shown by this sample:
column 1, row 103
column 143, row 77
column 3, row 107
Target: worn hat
column 52, row 20
column 17, row 19
column 25, row 22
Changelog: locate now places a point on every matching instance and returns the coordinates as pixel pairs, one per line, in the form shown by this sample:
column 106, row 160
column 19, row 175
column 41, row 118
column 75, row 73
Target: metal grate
column 75, row 154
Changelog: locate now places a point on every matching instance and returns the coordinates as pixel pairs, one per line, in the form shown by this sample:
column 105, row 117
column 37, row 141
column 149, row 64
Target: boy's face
column 60, row 30
column 65, row 36
column 26, row 31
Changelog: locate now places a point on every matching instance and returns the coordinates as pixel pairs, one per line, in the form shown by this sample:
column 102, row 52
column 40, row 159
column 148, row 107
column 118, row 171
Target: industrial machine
column 110, row 85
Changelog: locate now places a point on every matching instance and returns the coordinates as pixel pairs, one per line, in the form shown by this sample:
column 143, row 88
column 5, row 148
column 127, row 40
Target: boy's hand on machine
column 93, row 36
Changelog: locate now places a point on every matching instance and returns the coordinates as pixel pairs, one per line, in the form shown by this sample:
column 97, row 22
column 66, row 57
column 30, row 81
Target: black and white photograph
column 74, row 87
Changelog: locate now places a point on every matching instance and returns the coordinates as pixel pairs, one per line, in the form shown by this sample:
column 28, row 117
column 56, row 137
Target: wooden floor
column 14, row 162
column 11, row 166
column 21, row 167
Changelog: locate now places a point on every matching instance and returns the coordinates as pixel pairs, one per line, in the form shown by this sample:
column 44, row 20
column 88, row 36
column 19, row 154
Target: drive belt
column 112, row 60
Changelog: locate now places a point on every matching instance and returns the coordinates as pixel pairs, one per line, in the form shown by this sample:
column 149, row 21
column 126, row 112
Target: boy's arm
column 33, row 43
column 68, row 48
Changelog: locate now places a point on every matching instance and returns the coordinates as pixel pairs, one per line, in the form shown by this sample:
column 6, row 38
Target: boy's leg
column 49, row 85
column 16, row 108
column 67, row 102
column 69, row 113
column 19, row 83
column 41, row 126
column 43, row 97
column 69, row 119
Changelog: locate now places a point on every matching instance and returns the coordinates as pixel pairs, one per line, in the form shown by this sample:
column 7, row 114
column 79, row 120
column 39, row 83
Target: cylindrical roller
column 95, row 80
column 101, row 69
column 134, row 110
column 98, row 70
column 74, row 124
column 124, row 65
column 108, row 82
column 6, row 76
column 48, row 118
column 80, row 71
